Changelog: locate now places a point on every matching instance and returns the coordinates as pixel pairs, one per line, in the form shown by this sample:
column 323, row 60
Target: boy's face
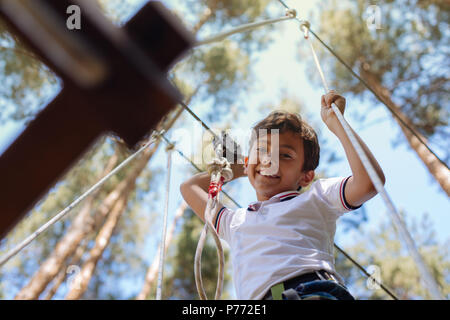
column 271, row 172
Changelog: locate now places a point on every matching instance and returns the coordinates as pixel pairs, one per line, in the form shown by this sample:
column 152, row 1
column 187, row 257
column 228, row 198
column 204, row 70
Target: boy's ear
column 306, row 178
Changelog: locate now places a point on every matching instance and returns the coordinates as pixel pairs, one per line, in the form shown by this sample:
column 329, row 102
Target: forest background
column 107, row 247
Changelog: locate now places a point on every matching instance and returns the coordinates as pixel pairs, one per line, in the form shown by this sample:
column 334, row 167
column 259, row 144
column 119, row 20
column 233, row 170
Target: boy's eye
column 261, row 149
column 285, row 155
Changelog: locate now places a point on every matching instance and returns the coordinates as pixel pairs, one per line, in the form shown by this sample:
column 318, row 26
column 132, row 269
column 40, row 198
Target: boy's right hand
column 232, row 152
column 230, row 149
column 238, row 170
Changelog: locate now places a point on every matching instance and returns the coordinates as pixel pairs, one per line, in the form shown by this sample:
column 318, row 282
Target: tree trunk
column 63, row 272
column 152, row 271
column 83, row 224
column 434, row 166
column 80, row 227
column 81, row 281
column 153, row 268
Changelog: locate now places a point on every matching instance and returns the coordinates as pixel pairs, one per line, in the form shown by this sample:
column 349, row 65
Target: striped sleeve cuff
column 344, row 202
column 218, row 217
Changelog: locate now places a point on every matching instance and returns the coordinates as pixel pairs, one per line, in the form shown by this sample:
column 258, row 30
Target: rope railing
column 162, row 246
column 290, row 14
column 11, row 253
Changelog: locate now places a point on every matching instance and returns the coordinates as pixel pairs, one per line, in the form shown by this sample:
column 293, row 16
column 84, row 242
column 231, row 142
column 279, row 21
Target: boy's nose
column 269, row 165
column 265, row 159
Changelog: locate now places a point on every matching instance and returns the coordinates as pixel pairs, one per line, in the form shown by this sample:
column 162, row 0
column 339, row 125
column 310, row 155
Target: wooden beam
column 113, row 81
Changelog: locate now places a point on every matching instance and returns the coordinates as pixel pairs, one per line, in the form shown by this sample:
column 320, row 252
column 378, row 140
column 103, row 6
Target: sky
column 278, row 70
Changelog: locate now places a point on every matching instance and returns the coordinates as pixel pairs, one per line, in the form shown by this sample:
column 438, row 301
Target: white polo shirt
column 283, row 237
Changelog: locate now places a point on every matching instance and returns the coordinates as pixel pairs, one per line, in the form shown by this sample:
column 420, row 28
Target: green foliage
column 26, row 82
column 408, row 55
column 222, row 70
column 233, row 13
column 398, row 271
column 180, row 281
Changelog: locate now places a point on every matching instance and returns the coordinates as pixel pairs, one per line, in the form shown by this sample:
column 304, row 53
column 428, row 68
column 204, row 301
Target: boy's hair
column 287, row 121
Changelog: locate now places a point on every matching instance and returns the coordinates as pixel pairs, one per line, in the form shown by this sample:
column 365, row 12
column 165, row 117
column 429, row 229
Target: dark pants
column 322, row 290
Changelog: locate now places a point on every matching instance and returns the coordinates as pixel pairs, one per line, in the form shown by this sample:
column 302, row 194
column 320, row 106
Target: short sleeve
column 222, row 223
column 331, row 191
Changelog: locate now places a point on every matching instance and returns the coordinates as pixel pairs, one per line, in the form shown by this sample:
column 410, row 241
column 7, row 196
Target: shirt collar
column 286, row 194
column 283, row 196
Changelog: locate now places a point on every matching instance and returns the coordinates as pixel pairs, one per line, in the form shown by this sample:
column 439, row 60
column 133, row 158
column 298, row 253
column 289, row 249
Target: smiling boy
column 283, row 242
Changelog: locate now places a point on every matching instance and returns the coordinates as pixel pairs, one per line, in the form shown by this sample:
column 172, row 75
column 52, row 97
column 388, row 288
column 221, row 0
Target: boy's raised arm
column 359, row 187
column 195, row 190
column 195, row 193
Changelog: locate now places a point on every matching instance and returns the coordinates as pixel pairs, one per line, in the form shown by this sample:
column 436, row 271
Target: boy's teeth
column 268, row 175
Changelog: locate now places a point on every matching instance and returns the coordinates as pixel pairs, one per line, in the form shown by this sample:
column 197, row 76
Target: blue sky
column 278, row 70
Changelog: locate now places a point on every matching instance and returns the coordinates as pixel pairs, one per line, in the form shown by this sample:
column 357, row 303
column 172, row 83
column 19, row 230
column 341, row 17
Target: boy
column 283, row 243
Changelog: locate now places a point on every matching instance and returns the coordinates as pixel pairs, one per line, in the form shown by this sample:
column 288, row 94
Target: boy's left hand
column 327, row 113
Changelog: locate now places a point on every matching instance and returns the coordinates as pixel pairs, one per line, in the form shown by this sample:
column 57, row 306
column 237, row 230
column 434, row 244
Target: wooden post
column 113, row 81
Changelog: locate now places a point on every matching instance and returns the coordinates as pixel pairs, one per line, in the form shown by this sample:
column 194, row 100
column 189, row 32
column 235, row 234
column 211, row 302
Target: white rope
column 220, row 170
column 64, row 212
column 430, row 283
column 164, row 229
column 210, row 207
column 290, row 14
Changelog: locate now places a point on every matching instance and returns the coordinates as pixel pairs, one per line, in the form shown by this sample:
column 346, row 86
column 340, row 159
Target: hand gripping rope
column 220, row 172
column 428, row 280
